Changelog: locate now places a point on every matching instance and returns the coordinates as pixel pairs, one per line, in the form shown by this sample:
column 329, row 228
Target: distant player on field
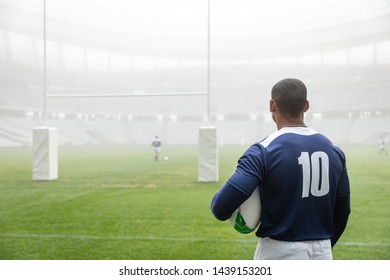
column 157, row 147
column 382, row 149
column 303, row 183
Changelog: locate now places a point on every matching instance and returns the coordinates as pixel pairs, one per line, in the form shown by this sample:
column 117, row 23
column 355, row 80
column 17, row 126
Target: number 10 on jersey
column 315, row 172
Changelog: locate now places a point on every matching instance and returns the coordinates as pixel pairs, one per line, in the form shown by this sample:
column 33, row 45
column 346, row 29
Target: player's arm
column 340, row 218
column 226, row 201
column 342, row 209
column 239, row 187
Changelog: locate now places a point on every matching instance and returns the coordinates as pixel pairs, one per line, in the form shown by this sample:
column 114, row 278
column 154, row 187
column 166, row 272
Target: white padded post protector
column 208, row 155
column 45, row 153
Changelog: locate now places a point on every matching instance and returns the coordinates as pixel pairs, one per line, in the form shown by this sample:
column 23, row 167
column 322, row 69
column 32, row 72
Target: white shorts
column 271, row 249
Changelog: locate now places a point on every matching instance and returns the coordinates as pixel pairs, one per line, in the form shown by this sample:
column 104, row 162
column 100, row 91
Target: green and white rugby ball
column 247, row 217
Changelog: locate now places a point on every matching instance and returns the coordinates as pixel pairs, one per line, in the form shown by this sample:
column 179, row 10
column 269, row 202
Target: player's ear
column 272, row 105
column 306, row 106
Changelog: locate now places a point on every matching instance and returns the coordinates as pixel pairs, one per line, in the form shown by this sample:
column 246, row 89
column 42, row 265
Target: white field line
column 122, row 237
column 156, row 238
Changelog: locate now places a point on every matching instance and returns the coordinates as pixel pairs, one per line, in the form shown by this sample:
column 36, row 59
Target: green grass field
column 117, row 203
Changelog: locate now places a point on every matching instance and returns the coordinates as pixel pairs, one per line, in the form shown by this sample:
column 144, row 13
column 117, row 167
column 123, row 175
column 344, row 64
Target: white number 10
column 315, row 170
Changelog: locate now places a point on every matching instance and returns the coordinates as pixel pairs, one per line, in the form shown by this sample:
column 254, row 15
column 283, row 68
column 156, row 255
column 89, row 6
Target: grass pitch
column 118, row 203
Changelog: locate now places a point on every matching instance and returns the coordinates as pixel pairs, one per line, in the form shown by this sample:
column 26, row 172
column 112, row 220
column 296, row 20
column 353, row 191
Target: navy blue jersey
column 300, row 174
column 156, row 143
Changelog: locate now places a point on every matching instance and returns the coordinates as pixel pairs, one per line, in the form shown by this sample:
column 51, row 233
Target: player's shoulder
column 287, row 132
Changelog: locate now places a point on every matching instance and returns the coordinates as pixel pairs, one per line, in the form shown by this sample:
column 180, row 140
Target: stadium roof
column 230, row 18
column 247, row 30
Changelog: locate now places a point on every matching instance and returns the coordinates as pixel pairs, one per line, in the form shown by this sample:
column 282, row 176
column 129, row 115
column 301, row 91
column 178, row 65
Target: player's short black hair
column 290, row 96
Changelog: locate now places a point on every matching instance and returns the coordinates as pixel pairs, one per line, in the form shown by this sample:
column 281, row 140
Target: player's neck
column 281, row 123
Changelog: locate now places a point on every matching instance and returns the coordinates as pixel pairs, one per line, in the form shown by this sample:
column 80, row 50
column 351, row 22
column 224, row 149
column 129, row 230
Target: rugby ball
column 247, row 217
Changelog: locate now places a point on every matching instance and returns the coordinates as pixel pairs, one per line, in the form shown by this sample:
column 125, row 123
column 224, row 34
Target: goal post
column 45, row 154
column 208, row 170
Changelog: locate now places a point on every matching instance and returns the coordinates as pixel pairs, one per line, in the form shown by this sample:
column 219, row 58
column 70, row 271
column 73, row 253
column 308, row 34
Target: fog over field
column 120, row 72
